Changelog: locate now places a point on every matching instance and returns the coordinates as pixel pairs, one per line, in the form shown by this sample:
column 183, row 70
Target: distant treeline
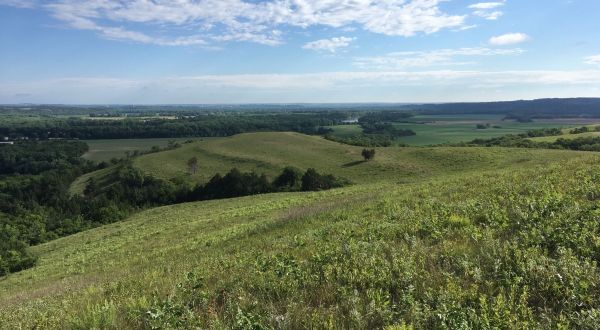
column 36, row 205
column 378, row 129
column 202, row 126
column 540, row 108
column 519, row 110
column 589, row 143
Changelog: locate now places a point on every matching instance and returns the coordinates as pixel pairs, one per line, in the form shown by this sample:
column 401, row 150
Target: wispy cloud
column 509, row 39
column 401, row 60
column 593, row 60
column 243, row 20
column 331, row 45
column 488, row 10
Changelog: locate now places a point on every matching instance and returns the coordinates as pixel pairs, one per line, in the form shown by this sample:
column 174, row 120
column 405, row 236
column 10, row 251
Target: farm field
column 441, row 129
column 105, row 150
column 428, row 234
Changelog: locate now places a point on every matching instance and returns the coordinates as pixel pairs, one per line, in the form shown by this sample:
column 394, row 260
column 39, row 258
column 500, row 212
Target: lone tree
column 192, row 165
column 368, row 154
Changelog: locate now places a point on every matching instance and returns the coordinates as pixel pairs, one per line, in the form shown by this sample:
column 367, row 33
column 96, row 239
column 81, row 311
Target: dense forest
column 198, row 126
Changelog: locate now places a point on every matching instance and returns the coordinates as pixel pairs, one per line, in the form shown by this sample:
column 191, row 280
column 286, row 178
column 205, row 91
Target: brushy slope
column 514, row 247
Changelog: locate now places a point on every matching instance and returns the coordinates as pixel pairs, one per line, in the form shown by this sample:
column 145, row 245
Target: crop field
column 441, row 129
column 468, row 242
column 105, row 150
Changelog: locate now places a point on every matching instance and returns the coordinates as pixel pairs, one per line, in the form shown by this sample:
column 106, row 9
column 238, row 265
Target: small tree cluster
column 192, row 164
column 368, row 154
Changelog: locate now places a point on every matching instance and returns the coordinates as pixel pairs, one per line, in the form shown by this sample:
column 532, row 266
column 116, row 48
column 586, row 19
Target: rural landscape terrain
column 312, row 217
column 299, row 164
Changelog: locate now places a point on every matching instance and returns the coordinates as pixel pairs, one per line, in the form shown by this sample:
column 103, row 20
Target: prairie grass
column 439, row 238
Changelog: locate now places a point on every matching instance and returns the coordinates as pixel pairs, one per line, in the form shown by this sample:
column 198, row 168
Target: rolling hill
column 431, row 238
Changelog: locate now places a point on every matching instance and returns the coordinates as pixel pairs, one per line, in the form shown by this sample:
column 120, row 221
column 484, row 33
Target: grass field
column 469, row 241
column 269, row 153
column 440, row 129
column 105, row 150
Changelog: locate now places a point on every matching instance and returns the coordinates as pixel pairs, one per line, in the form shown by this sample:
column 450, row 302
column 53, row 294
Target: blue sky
column 288, row 51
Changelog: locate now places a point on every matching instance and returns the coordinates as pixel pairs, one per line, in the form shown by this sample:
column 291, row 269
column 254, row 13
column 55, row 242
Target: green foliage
column 480, row 239
column 368, row 154
column 363, row 140
column 205, row 125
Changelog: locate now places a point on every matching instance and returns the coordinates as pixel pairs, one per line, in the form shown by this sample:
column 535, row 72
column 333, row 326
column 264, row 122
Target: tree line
column 199, row 126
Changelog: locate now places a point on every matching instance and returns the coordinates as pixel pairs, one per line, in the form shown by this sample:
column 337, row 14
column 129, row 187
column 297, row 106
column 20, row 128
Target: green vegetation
column 269, row 153
column 105, row 150
column 443, row 129
column 198, row 125
column 444, row 237
column 472, row 245
column 570, row 134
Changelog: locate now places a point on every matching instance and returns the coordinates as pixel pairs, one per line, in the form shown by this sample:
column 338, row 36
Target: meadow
column 426, row 238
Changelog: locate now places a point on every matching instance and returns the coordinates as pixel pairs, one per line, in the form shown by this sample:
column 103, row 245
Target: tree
column 311, row 180
column 193, row 165
column 368, row 154
column 289, row 179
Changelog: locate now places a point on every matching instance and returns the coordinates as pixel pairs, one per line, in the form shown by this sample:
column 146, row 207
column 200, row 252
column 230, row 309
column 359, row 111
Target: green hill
column 270, row 152
column 430, row 238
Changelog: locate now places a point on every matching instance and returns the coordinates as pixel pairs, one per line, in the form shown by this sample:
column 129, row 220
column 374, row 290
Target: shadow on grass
column 354, row 163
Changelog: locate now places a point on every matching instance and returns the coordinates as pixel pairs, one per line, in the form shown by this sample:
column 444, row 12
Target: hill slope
column 270, row 152
column 467, row 244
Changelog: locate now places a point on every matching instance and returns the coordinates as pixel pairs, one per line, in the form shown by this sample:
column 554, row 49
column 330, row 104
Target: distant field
column 346, row 130
column 439, row 129
column 104, row 150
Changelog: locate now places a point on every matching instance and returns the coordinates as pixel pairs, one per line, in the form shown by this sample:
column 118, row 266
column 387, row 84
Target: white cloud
column 487, row 10
column 509, row 39
column 486, row 5
column 593, row 60
column 193, row 22
column 400, row 60
column 489, row 15
column 330, row 45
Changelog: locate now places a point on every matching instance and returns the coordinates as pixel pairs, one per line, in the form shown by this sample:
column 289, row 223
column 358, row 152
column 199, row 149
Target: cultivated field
column 440, row 129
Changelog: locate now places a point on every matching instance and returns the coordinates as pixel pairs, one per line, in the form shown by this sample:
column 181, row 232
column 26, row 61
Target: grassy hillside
column 466, row 250
column 270, row 152
column 469, row 240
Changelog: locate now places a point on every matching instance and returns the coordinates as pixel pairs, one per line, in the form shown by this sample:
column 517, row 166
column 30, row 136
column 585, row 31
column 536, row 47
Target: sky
column 296, row 51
